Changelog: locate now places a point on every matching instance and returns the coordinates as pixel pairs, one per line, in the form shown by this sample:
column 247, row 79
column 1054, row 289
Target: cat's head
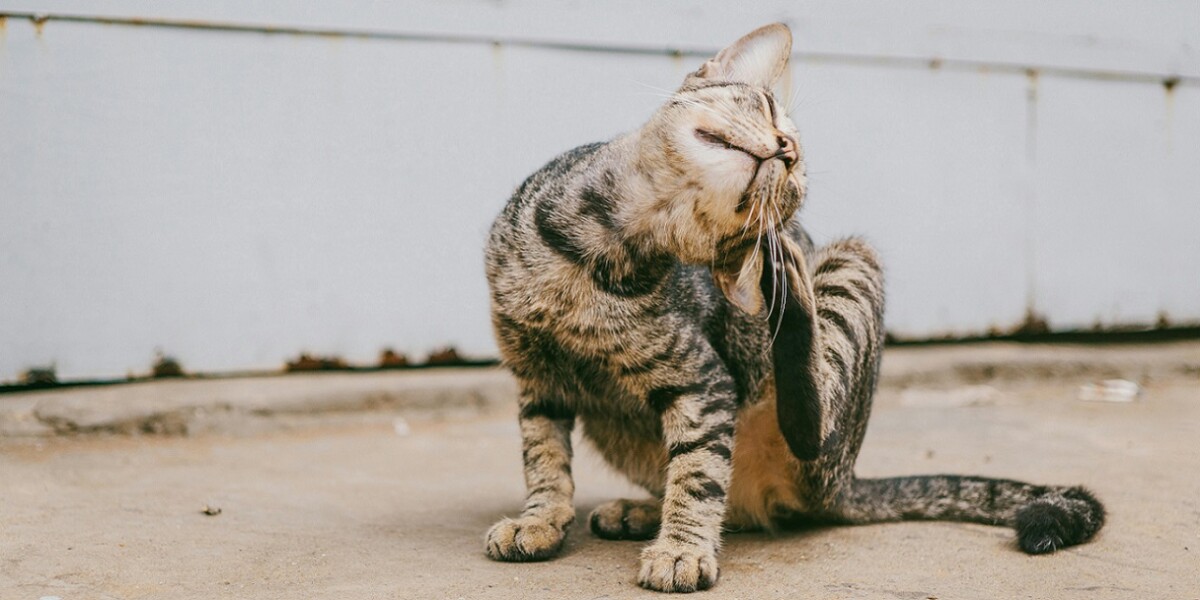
column 725, row 162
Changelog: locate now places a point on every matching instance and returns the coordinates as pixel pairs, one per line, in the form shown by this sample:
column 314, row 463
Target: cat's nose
column 788, row 152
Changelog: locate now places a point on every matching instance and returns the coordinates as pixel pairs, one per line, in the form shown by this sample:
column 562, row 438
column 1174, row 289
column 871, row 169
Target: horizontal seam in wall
column 932, row 62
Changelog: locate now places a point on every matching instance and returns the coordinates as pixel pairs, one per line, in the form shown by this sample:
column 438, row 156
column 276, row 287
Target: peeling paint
column 500, row 72
column 677, row 62
column 1034, row 324
column 40, row 376
column 1163, row 321
column 309, row 362
column 1169, row 84
column 1029, row 242
column 444, row 356
column 166, row 367
column 390, row 359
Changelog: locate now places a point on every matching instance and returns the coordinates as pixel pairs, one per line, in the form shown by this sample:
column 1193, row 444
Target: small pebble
column 1110, row 390
column 401, row 427
column 211, row 511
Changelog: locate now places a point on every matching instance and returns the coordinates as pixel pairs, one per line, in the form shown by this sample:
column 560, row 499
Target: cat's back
column 553, row 181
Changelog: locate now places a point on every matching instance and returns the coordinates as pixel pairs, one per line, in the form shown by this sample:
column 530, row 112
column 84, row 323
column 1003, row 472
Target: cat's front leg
column 546, row 449
column 698, row 422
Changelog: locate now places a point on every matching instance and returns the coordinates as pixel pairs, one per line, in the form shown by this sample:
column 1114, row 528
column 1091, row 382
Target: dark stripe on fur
column 710, row 441
column 702, row 487
column 831, row 264
column 644, row 274
column 546, row 408
column 556, row 239
column 599, row 206
column 662, row 398
column 838, row 320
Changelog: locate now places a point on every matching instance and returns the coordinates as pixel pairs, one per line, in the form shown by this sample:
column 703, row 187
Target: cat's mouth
column 774, row 191
column 770, row 179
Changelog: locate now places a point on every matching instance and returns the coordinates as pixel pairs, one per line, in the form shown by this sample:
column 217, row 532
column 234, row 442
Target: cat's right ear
column 758, row 59
column 741, row 287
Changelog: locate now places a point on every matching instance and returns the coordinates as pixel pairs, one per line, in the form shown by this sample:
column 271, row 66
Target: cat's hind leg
column 848, row 291
column 627, row 519
column 546, row 448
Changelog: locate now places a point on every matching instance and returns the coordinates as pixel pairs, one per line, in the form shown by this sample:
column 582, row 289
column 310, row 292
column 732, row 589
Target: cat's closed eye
column 716, row 140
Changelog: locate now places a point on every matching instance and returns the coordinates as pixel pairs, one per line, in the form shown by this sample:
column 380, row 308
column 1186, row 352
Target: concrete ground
column 382, row 485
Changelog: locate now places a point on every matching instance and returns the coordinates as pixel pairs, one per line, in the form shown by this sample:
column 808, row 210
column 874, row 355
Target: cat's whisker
column 749, row 216
column 660, row 92
column 772, row 247
column 783, row 256
column 759, row 225
column 794, row 99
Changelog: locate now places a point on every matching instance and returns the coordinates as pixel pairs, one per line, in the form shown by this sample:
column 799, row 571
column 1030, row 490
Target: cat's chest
column 609, row 362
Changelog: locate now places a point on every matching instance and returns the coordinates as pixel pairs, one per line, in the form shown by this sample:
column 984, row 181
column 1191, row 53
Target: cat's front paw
column 672, row 567
column 524, row 539
column 626, row 519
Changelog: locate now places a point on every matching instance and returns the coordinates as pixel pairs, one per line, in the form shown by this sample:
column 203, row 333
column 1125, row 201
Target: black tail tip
column 1058, row 520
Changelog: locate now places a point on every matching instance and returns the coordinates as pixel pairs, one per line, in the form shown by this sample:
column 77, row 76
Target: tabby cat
column 658, row 288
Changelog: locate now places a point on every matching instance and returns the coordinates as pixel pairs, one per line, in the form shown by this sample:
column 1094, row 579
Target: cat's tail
column 1046, row 518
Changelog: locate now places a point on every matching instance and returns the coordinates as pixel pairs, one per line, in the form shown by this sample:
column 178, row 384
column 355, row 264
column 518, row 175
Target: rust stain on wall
column 390, row 359
column 1169, row 84
column 39, row 23
column 166, row 366
column 309, row 362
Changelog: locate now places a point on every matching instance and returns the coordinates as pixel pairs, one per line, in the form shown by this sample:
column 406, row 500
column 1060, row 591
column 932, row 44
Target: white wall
column 234, row 196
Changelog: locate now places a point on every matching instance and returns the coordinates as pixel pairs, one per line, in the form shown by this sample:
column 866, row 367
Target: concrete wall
column 234, row 182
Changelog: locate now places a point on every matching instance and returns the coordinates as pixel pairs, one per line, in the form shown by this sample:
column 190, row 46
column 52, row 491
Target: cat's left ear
column 758, row 59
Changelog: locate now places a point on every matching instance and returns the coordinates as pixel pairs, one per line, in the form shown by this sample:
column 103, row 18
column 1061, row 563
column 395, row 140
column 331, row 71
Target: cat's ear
column 758, row 59
column 741, row 286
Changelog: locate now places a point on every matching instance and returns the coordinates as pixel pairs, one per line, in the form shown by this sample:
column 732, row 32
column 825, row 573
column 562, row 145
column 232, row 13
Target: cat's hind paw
column 524, row 539
column 626, row 519
column 669, row 567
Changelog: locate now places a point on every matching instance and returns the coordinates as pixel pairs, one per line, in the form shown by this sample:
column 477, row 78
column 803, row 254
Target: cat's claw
column 524, row 539
column 670, row 567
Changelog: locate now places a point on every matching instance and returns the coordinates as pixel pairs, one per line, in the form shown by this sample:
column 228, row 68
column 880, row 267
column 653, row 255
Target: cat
column 659, row 289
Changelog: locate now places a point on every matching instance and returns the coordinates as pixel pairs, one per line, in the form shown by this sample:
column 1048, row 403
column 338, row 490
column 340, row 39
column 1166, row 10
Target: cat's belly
column 766, row 476
column 765, row 482
column 631, row 444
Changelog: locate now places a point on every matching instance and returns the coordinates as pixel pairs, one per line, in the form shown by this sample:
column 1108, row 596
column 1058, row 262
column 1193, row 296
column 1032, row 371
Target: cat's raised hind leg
column 546, row 448
column 848, row 290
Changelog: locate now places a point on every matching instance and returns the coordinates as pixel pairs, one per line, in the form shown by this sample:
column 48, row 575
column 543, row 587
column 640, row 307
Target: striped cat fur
column 658, row 290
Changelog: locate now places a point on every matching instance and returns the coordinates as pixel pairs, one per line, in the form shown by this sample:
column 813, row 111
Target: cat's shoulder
column 558, row 170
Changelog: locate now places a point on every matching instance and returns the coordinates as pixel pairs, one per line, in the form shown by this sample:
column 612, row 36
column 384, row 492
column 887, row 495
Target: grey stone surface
column 324, row 499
